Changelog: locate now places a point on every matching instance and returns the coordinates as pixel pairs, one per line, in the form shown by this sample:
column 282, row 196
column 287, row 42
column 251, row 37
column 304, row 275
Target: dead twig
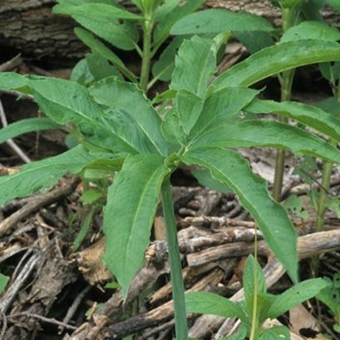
column 42, row 318
column 36, row 203
column 11, row 64
column 73, row 308
column 10, row 141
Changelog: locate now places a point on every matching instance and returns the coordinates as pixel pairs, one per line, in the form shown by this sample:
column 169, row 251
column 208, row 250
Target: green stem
column 323, row 195
column 181, row 324
column 289, row 17
column 254, row 317
column 146, row 56
column 286, row 90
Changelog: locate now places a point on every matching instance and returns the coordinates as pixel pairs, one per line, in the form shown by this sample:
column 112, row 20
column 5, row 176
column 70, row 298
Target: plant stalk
column 286, row 90
column 255, row 314
column 323, row 195
column 146, row 55
column 289, row 18
column 181, row 324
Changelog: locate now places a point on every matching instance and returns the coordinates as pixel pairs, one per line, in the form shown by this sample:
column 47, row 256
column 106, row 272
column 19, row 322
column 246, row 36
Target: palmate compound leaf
column 230, row 168
column 311, row 116
column 128, row 215
column 276, row 59
column 252, row 133
column 44, row 174
column 68, row 102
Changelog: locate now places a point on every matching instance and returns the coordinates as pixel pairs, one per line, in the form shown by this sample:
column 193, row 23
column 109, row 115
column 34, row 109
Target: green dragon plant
column 120, row 133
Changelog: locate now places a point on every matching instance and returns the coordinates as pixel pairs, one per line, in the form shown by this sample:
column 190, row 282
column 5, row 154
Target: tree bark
column 29, row 27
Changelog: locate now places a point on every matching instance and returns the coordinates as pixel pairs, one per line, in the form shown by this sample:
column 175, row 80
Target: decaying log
column 28, row 26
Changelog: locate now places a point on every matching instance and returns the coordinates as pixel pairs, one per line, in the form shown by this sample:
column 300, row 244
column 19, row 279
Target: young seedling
column 258, row 304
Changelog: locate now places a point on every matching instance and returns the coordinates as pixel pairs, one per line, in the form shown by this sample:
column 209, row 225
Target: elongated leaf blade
column 221, row 106
column 165, row 23
column 252, row 133
column 97, row 46
column 254, row 283
column 189, row 108
column 275, row 59
column 43, row 174
column 162, row 69
column 312, row 116
column 297, row 294
column 216, row 21
column 26, row 125
column 102, row 20
column 68, row 102
column 194, row 65
column 97, row 10
column 3, row 282
column 276, row 332
column 128, row 215
column 230, row 168
column 209, row 303
column 311, row 30
column 127, row 99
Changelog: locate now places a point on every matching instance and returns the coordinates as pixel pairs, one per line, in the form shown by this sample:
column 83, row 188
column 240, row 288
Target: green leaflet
column 312, row 116
column 210, row 303
column 253, row 275
column 128, row 215
column 251, row 133
column 97, row 46
column 276, row 332
column 97, row 10
column 276, row 59
column 295, row 295
column 127, row 99
column 3, row 282
column 163, row 67
column 26, row 125
column 43, row 174
column 216, row 21
column 68, row 102
column 220, row 106
column 166, row 9
column 194, row 65
column 230, row 168
column 103, row 20
column 167, row 20
column 189, row 108
column 311, row 30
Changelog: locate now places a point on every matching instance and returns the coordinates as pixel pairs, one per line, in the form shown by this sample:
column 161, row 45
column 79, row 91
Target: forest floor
column 60, row 289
